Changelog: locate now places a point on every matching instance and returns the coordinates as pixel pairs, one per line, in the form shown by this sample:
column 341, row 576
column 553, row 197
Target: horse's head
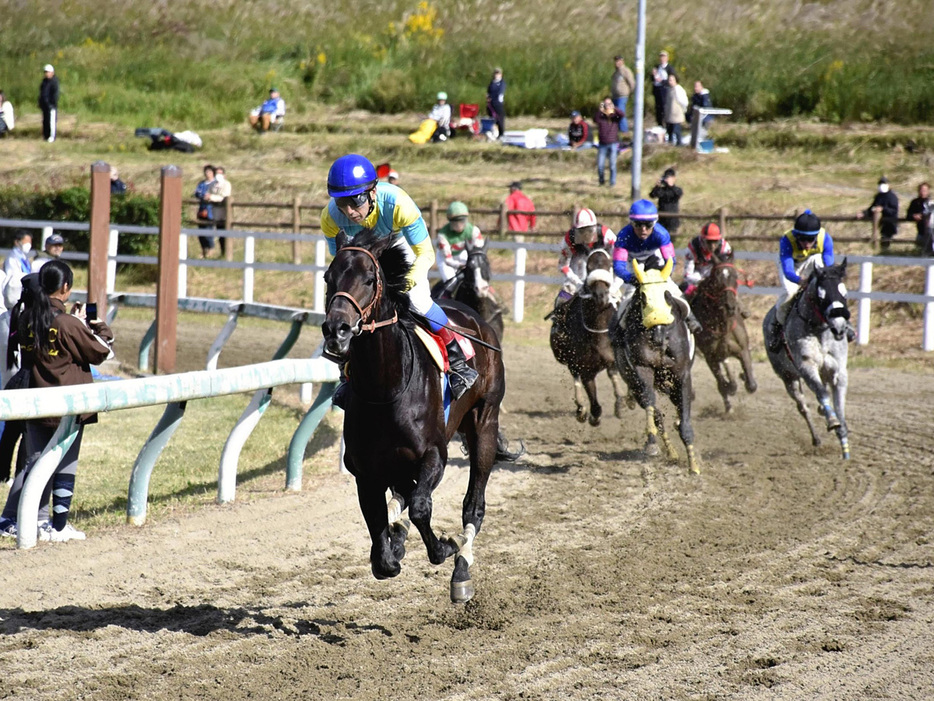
column 599, row 278
column 477, row 272
column 720, row 287
column 364, row 281
column 656, row 304
column 828, row 293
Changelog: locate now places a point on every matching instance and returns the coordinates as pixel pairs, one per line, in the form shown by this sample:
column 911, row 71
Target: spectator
column 61, row 350
column 622, row 84
column 921, row 213
column 217, row 194
column 578, row 132
column 675, row 110
column 393, row 178
column 668, row 195
column 495, row 105
column 660, row 86
column 607, row 119
column 885, row 202
column 700, row 98
column 117, row 186
column 441, row 113
column 7, row 120
column 517, row 201
column 54, row 245
column 205, row 211
column 454, row 238
column 268, row 114
column 17, row 263
column 48, row 102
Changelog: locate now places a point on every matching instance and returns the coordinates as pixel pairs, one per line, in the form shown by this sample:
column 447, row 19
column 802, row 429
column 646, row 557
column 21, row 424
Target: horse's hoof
column 631, row 402
column 384, row 572
column 816, row 442
column 582, row 416
column 651, row 450
column 751, row 387
column 594, row 420
column 462, row 592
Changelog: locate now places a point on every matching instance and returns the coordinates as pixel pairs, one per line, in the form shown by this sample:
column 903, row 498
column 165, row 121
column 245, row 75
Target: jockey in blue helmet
column 359, row 201
column 645, row 240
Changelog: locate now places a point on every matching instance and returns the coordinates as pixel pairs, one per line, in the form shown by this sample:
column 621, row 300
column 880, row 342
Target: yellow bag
column 422, row 135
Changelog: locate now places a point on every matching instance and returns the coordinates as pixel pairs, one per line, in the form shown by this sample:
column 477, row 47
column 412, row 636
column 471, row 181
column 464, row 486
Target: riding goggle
column 353, row 201
column 806, row 238
column 642, row 224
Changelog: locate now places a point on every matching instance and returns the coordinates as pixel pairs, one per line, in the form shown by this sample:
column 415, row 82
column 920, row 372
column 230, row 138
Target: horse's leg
column 580, row 399
column 619, row 389
column 723, row 385
column 429, row 476
column 590, row 385
column 398, row 524
column 670, row 449
column 794, row 389
column 644, row 392
column 681, row 395
column 810, row 373
column 481, row 436
column 383, row 560
column 745, row 359
column 839, row 402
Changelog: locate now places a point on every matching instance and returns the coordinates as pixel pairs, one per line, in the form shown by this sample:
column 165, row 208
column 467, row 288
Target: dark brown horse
column 394, row 423
column 471, row 286
column 717, row 308
column 580, row 338
column 654, row 352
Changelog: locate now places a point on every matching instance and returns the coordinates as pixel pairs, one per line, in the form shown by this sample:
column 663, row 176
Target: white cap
column 393, row 174
column 49, row 68
column 585, row 217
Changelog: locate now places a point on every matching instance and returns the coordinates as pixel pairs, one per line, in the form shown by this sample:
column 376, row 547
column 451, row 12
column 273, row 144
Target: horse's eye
column 371, row 281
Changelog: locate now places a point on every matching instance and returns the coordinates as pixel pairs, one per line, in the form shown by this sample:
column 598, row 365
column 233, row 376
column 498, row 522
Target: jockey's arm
column 691, row 275
column 787, row 261
column 476, row 238
column 407, row 220
column 621, row 267
column 827, row 255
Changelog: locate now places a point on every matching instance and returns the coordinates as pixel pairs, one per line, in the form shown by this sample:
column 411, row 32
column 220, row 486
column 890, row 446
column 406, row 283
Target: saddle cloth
column 436, row 349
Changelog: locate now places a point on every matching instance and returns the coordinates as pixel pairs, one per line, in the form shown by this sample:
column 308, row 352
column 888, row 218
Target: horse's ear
column 343, row 239
column 843, row 267
column 380, row 245
column 637, row 271
column 666, row 271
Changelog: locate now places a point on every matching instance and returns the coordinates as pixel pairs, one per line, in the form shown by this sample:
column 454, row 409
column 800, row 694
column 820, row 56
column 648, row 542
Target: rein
column 364, row 312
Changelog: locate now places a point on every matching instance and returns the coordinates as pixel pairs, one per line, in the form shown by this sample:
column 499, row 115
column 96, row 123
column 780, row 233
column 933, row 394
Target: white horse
column 815, row 349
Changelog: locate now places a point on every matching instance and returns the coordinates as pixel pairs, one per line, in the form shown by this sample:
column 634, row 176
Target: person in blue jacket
column 802, row 249
column 647, row 241
column 495, row 100
column 359, row 201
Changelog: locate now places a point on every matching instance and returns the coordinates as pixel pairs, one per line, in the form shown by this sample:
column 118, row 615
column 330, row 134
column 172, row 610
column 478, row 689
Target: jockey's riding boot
column 850, row 332
column 339, row 398
column 461, row 375
column 777, row 333
column 693, row 324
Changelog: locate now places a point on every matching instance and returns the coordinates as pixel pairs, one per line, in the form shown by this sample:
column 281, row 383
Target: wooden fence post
column 297, row 228
column 575, row 208
column 722, row 218
column 170, row 230
column 100, row 235
column 503, row 223
column 433, row 218
column 876, row 221
column 228, row 223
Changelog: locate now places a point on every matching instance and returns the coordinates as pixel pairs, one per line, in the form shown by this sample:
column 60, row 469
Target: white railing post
column 518, row 301
column 112, row 242
column 182, row 266
column 46, row 232
column 927, row 342
column 249, row 257
column 865, row 287
column 320, row 251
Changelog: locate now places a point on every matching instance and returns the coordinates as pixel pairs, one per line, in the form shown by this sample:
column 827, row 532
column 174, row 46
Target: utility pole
column 639, row 107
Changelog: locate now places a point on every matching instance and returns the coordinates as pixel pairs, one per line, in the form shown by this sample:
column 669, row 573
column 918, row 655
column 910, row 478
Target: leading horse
column 716, row 306
column 471, row 286
column 580, row 337
column 655, row 351
column 815, row 349
column 395, row 430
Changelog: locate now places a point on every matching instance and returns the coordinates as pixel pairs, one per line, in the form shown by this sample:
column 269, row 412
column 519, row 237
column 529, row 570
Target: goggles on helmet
column 642, row 223
column 354, row 201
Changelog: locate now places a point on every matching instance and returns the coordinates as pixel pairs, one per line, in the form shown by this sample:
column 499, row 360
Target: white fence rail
column 249, row 266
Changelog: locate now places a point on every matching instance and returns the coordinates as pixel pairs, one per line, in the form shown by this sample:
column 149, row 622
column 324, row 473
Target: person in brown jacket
column 57, row 349
column 622, row 84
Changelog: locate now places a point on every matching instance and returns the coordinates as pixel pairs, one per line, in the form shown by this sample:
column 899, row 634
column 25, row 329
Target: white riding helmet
column 585, row 217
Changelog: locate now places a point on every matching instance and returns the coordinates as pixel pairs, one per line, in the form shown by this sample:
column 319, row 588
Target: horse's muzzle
column 337, row 335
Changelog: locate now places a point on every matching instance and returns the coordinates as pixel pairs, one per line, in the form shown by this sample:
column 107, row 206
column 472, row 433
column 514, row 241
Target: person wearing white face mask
column 218, row 193
column 17, row 263
column 885, row 202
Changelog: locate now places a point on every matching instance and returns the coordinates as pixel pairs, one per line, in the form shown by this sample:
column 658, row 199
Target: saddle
column 437, row 350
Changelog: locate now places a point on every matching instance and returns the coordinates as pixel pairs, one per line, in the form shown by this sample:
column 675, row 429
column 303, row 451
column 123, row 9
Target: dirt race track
column 780, row 572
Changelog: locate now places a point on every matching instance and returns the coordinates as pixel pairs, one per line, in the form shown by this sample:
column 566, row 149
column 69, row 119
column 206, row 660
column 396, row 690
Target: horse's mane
column 395, row 267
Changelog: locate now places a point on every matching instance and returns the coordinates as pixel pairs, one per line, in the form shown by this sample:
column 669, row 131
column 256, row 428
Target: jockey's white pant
column 789, row 288
column 420, row 294
column 449, row 271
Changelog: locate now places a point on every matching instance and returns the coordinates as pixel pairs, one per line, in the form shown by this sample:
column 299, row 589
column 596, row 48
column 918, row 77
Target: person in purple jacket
column 648, row 242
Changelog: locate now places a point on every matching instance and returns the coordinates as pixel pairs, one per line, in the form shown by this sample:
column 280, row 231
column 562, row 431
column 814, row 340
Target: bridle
column 364, row 312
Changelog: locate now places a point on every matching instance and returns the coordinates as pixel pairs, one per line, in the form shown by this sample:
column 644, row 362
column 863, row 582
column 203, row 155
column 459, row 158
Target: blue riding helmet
column 807, row 226
column 643, row 210
column 351, row 175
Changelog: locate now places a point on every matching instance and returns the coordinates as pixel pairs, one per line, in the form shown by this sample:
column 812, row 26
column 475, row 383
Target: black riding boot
column 693, row 324
column 461, row 375
column 339, row 398
column 777, row 333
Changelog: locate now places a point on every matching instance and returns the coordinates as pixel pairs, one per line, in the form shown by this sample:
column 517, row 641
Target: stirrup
column 462, row 380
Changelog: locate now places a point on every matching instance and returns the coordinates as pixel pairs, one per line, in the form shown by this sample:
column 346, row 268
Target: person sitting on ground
column 358, row 201
column 586, row 235
column 578, row 132
column 885, row 202
column 117, row 186
column 802, row 249
column 61, row 348
column 17, row 263
column 644, row 240
column 453, row 240
column 7, row 119
column 54, row 246
column 441, row 113
column 268, row 113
